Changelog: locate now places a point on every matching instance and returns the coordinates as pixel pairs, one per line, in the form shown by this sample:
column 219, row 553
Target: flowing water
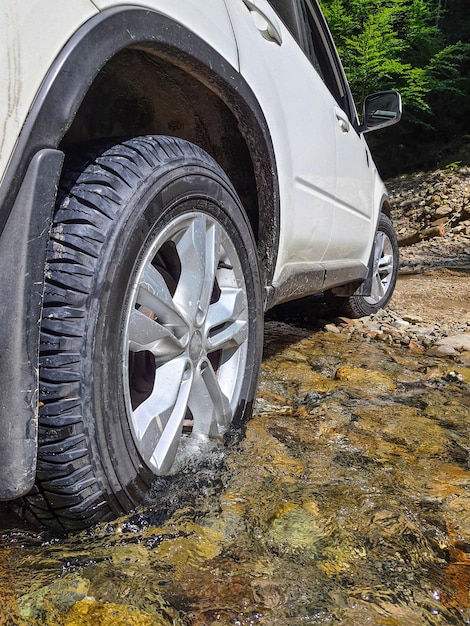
column 347, row 501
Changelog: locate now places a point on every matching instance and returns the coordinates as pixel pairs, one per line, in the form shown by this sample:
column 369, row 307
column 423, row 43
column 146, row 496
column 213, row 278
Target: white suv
column 169, row 171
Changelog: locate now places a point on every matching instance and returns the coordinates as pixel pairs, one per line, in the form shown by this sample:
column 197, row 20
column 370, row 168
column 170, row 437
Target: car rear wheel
column 151, row 333
column 383, row 275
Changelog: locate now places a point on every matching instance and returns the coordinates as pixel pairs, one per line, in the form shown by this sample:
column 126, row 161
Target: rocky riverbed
column 430, row 310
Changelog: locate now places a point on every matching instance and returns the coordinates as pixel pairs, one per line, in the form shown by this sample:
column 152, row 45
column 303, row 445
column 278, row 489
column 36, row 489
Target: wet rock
column 459, row 342
column 90, row 613
column 453, row 345
column 313, row 399
column 411, row 331
column 294, row 529
column 442, row 350
column 332, row 328
column 60, row 596
column 366, row 378
column 197, row 545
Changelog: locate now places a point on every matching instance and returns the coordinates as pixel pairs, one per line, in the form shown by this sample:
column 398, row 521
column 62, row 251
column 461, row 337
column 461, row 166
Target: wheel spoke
column 233, row 334
column 386, row 264
column 225, row 323
column 377, row 289
column 213, row 238
column 199, row 251
column 147, row 334
column 165, row 450
column 380, row 240
column 229, row 307
column 158, row 421
column 154, row 295
column 209, row 406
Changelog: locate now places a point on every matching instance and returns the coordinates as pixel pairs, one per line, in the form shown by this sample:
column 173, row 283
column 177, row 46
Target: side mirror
column 380, row 110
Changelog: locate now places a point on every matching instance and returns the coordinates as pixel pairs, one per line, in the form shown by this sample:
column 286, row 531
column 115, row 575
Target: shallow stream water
column 347, row 501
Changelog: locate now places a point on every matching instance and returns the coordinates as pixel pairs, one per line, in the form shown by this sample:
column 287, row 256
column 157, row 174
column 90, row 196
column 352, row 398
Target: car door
column 355, row 170
column 298, row 111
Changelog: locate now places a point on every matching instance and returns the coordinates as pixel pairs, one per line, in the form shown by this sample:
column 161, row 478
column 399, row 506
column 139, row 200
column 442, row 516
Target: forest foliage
column 421, row 48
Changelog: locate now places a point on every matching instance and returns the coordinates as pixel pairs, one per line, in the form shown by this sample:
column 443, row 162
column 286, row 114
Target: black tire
column 383, row 270
column 151, row 334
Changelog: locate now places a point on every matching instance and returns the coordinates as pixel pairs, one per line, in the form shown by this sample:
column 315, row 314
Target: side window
column 295, row 15
column 320, row 51
column 311, row 46
column 305, row 22
column 287, row 11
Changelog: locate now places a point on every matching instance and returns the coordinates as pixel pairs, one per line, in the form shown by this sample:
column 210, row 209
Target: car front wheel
column 151, row 333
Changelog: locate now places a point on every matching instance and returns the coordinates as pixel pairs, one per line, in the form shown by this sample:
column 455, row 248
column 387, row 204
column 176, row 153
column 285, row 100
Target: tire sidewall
column 167, row 193
column 358, row 303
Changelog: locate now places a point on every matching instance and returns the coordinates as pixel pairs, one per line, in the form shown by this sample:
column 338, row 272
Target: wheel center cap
column 195, row 346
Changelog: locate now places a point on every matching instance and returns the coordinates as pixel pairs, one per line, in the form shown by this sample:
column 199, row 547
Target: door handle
column 268, row 26
column 342, row 118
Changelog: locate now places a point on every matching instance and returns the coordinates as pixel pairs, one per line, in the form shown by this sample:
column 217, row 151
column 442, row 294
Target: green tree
column 385, row 44
column 421, row 48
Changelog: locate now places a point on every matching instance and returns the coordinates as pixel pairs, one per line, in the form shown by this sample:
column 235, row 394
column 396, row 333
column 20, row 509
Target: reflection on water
column 346, row 502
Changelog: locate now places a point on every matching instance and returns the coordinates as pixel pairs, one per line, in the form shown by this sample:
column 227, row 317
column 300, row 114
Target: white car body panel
column 23, row 65
column 323, row 183
column 354, row 209
column 277, row 74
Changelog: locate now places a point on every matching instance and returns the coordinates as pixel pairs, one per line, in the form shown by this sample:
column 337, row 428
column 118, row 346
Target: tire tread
column 92, row 189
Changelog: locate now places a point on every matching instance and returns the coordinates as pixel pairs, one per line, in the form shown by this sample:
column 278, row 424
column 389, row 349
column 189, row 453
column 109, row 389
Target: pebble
column 332, row 328
column 442, row 351
column 386, row 326
column 426, row 199
column 458, row 342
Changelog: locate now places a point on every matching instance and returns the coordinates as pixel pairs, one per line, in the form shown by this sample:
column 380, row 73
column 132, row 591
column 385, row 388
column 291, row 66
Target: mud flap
column 22, row 258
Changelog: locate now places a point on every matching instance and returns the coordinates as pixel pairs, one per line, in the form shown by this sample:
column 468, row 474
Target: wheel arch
column 385, row 207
